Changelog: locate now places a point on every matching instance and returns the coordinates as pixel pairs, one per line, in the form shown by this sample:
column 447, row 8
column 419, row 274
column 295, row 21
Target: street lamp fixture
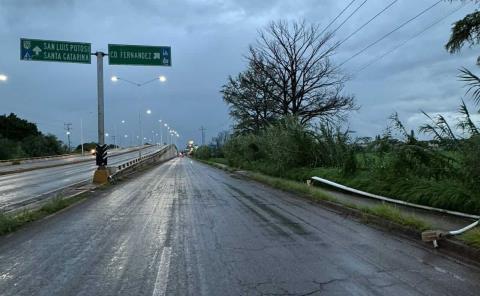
column 149, row 111
column 114, row 78
column 162, row 78
column 3, row 77
column 123, row 121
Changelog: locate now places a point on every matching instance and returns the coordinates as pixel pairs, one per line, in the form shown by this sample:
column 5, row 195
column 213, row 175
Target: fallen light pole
column 428, row 235
column 435, row 235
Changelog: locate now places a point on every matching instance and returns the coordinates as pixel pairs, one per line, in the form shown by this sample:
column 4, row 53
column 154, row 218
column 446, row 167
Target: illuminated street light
column 162, row 78
column 106, row 135
column 114, row 78
column 3, row 77
column 149, row 111
column 123, row 121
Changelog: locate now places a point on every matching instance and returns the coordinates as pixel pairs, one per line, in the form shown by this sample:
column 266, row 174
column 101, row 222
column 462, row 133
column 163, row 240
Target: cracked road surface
column 184, row 228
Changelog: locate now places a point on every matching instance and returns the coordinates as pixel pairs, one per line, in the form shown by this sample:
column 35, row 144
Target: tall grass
column 406, row 169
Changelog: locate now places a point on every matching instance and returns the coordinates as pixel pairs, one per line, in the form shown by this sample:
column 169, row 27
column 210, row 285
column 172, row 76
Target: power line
column 348, row 17
column 391, row 32
column 409, row 39
column 369, row 21
column 340, row 14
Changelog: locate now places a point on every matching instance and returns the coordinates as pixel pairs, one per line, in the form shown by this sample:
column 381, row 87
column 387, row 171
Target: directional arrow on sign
column 37, row 50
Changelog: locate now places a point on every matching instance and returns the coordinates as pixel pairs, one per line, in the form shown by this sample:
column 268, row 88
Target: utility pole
column 203, row 135
column 68, row 128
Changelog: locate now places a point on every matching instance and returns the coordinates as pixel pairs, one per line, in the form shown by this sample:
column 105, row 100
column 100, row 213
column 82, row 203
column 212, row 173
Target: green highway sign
column 55, row 51
column 121, row 54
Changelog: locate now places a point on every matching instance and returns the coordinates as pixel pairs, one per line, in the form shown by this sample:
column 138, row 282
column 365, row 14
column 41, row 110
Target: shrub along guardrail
column 391, row 200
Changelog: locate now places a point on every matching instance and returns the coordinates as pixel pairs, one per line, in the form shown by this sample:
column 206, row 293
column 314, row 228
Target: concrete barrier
column 131, row 166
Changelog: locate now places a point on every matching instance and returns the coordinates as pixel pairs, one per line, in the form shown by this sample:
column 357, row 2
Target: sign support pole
column 101, row 107
column 101, row 174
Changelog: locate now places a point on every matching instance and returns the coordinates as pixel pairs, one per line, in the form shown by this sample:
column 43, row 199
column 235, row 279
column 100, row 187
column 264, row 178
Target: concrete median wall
column 136, row 164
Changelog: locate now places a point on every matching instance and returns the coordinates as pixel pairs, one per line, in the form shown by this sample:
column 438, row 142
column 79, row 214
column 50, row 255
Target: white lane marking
column 162, row 273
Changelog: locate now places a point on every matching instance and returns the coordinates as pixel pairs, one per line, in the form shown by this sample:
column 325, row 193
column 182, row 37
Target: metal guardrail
column 428, row 235
column 119, row 168
column 394, row 201
column 53, row 157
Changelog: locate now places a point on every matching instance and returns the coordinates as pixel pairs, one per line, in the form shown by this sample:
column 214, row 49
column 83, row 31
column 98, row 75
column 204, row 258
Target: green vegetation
column 20, row 138
column 393, row 214
column 10, row 222
column 292, row 128
column 472, row 237
column 384, row 211
column 417, row 172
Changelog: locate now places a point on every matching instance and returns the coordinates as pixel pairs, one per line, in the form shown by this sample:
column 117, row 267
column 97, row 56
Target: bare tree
column 295, row 59
column 250, row 98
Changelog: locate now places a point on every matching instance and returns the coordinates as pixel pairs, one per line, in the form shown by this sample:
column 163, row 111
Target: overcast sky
column 208, row 40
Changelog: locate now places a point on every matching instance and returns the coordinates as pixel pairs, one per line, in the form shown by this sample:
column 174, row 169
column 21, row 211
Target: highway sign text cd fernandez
column 121, row 54
column 55, row 51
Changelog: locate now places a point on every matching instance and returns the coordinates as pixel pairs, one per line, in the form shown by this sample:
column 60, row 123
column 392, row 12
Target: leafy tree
column 20, row 138
column 10, row 149
column 86, row 146
column 14, row 128
column 466, row 30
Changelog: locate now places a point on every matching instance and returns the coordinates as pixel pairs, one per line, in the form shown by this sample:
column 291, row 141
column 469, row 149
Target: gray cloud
column 208, row 39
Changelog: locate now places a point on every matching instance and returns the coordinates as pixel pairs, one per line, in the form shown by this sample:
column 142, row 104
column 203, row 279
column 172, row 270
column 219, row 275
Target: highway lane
column 68, row 160
column 184, row 228
column 21, row 187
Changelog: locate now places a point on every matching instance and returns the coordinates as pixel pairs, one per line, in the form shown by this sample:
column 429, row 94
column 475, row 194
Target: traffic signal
column 101, row 155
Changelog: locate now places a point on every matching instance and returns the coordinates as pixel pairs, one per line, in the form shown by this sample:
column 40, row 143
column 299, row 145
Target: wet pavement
column 21, row 187
column 184, row 228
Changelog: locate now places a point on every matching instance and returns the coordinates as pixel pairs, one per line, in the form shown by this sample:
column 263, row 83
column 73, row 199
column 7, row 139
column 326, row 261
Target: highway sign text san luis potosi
column 55, row 51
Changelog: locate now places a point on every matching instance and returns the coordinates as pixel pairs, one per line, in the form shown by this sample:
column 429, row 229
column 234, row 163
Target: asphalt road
column 184, row 228
column 7, row 168
column 21, row 187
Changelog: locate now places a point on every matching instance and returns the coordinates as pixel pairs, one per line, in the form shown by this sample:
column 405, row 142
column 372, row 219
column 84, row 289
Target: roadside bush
column 10, row 149
column 350, row 164
column 203, row 152
column 284, row 145
column 470, row 162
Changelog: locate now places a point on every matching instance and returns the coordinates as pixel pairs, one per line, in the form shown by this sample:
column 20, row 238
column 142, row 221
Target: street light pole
column 160, row 78
column 101, row 110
